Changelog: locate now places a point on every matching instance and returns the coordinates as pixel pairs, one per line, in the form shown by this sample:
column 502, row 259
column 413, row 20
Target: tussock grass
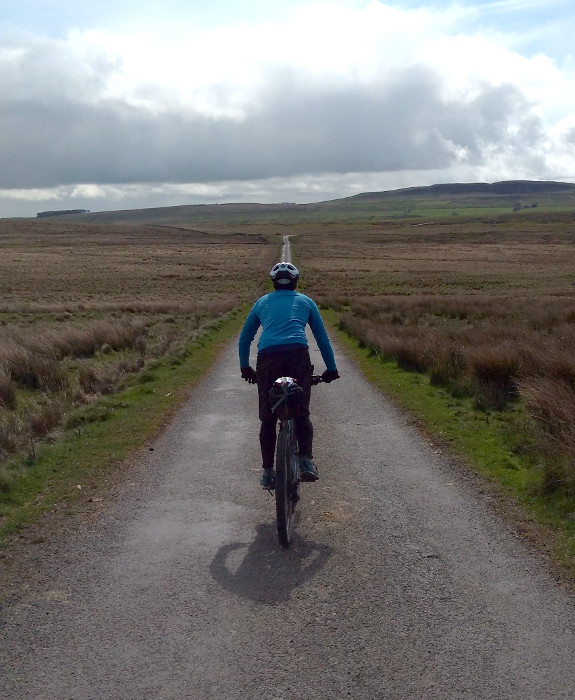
column 84, row 310
column 96, row 380
column 84, row 452
column 551, row 404
column 10, row 430
column 487, row 311
column 497, row 364
column 7, row 390
column 44, row 418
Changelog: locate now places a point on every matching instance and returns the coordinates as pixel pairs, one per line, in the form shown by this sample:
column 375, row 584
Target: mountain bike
column 284, row 396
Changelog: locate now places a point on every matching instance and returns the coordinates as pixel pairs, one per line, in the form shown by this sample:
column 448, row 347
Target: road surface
column 401, row 582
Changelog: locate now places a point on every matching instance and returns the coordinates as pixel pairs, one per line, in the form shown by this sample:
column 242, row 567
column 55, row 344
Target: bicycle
column 284, row 396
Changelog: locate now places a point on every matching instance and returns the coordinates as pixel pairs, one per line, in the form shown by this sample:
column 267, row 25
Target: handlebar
column 250, row 377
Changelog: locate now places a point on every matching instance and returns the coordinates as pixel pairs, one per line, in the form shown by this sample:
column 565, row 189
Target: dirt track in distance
column 401, row 582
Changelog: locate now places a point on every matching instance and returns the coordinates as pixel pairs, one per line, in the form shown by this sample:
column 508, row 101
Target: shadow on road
column 265, row 572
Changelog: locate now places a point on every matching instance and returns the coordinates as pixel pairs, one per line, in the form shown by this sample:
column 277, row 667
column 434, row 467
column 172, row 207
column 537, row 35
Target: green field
column 421, row 204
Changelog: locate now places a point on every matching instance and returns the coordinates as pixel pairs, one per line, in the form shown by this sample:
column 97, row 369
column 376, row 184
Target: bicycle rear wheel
column 286, row 486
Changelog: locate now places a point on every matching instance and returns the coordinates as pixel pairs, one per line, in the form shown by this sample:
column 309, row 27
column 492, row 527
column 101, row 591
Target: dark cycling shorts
column 284, row 363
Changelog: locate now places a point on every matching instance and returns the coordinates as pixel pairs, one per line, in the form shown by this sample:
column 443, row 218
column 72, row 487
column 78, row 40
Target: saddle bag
column 285, row 396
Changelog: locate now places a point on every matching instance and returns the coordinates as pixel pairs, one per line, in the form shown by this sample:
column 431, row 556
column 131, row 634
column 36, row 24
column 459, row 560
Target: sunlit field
column 83, row 307
column 485, row 309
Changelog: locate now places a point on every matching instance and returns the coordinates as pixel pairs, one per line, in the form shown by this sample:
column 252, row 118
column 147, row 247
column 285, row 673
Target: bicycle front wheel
column 286, row 484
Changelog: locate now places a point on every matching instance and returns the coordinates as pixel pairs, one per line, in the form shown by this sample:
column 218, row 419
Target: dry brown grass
column 83, row 306
column 56, row 267
column 7, row 390
column 487, row 310
column 551, row 403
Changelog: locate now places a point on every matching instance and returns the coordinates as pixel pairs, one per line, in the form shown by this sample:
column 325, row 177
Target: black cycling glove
column 329, row 376
column 249, row 375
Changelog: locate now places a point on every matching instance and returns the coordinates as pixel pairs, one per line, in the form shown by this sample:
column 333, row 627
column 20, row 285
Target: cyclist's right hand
column 249, row 375
column 329, row 376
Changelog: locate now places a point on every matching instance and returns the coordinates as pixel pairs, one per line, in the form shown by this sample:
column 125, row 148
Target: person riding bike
column 283, row 351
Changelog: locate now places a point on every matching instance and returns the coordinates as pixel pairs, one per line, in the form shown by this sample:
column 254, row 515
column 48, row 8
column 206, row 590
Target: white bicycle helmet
column 284, row 273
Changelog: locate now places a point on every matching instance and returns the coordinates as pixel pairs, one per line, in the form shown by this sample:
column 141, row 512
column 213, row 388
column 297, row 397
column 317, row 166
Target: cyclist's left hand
column 249, row 375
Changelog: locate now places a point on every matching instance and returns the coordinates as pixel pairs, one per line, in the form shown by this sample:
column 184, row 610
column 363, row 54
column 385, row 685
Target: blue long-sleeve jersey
column 283, row 316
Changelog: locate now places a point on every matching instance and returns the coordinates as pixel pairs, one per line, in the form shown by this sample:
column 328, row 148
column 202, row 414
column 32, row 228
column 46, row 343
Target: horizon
column 119, row 105
column 65, row 212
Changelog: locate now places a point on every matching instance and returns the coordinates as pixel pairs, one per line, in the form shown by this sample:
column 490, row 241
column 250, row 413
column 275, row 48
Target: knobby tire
column 285, row 503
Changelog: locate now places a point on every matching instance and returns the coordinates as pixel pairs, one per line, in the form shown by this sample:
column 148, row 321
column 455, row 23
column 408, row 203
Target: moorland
column 469, row 288
column 85, row 310
column 423, row 204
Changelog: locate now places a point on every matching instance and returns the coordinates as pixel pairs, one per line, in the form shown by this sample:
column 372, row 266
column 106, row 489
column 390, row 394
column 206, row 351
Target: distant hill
column 422, row 203
column 508, row 187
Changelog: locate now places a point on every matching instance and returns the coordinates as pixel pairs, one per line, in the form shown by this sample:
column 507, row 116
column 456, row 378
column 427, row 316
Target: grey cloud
column 55, row 132
column 46, row 70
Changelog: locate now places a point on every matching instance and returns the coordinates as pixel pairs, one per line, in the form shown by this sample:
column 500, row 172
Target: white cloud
column 325, row 96
column 89, row 192
column 31, row 195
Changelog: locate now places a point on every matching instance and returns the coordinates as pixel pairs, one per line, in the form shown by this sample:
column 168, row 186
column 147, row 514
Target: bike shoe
column 268, row 479
column 307, row 468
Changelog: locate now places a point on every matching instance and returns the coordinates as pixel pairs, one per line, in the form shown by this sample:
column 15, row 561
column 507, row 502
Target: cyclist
column 283, row 352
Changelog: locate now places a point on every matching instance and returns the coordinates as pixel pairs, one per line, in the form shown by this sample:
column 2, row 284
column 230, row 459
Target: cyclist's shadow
column 264, row 572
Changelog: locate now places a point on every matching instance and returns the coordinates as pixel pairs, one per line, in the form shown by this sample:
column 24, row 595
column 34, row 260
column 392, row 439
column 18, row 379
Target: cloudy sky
column 117, row 104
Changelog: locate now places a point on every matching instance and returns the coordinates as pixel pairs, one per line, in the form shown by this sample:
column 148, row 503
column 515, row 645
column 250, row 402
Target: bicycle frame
column 284, row 396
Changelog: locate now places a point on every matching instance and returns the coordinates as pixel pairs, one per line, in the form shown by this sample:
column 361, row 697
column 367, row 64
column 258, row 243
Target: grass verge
column 100, row 437
column 491, row 445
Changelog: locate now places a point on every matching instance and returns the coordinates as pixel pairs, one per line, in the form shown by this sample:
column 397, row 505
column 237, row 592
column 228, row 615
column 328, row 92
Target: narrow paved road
column 400, row 583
